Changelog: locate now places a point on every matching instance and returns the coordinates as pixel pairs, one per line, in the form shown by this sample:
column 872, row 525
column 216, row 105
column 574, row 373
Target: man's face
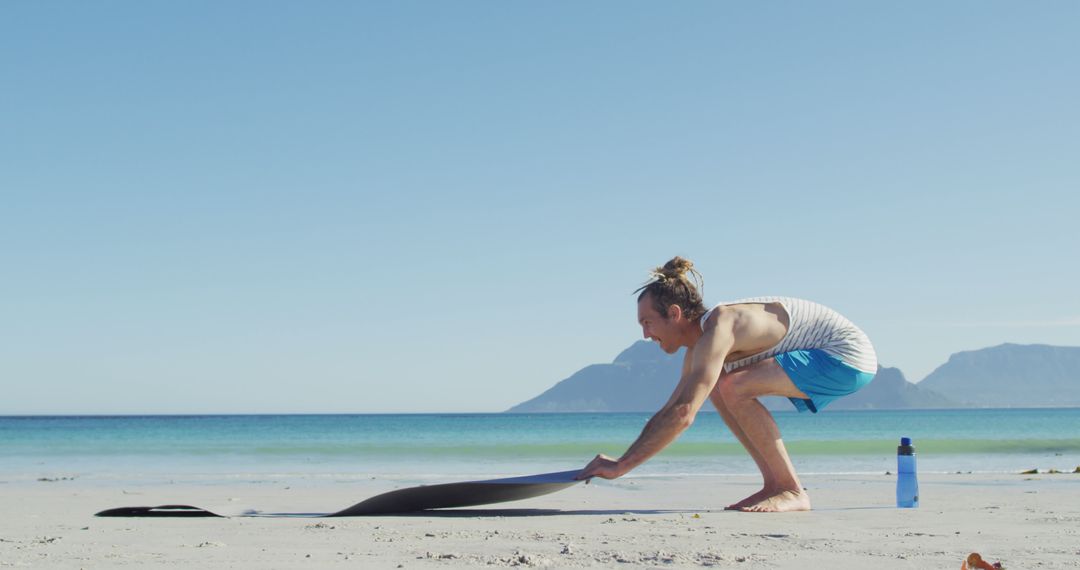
column 655, row 327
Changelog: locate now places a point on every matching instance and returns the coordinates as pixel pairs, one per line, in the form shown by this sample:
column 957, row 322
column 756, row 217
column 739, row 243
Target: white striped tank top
column 811, row 326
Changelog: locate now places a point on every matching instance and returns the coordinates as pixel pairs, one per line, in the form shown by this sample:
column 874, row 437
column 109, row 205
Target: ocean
column 431, row 447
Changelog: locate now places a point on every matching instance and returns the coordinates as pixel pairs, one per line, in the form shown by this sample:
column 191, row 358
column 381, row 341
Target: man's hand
column 601, row 466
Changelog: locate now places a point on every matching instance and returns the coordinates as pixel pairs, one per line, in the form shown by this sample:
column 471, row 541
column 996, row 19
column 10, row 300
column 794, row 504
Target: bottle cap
column 905, row 441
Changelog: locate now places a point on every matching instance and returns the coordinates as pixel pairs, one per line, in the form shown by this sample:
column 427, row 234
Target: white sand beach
column 1023, row 521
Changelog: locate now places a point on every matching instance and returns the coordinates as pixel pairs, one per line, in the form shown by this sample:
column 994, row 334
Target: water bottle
column 907, row 484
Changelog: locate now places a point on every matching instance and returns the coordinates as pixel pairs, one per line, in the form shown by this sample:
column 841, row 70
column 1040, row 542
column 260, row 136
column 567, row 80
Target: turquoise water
column 421, row 446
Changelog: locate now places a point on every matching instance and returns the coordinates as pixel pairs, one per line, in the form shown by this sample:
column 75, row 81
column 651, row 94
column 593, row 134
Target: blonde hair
column 670, row 285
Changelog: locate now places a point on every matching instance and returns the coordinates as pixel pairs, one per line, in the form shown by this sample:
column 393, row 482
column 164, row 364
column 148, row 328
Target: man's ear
column 674, row 312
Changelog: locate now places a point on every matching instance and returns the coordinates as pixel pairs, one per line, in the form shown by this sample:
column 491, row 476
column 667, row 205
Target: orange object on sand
column 975, row 562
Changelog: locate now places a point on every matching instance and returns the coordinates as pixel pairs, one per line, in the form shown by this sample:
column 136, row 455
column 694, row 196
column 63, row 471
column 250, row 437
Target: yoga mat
column 410, row 500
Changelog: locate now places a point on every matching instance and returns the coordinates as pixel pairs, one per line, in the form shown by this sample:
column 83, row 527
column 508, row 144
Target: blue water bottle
column 907, row 484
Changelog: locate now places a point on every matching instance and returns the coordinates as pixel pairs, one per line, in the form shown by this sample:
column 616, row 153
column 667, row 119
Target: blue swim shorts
column 821, row 376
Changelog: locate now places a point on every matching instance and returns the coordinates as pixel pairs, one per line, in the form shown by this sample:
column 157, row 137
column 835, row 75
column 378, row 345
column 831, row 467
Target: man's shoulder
column 721, row 313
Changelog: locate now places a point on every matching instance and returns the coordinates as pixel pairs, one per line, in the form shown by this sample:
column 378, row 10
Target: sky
column 381, row 207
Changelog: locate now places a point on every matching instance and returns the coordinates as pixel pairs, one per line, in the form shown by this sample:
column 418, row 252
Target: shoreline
column 150, row 471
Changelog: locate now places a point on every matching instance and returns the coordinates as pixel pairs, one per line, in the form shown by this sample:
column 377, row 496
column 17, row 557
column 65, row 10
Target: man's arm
column 678, row 413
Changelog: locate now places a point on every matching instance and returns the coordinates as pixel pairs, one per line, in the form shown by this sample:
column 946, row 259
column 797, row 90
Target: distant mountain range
column 641, row 378
column 1011, row 375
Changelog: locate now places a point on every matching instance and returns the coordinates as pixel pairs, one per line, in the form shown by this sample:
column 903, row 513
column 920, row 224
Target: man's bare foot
column 752, row 499
column 782, row 502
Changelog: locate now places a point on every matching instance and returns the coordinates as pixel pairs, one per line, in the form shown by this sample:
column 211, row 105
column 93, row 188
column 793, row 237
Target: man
column 736, row 353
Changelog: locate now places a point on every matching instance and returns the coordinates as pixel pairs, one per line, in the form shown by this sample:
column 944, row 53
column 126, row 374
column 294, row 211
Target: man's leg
column 768, row 488
column 739, row 392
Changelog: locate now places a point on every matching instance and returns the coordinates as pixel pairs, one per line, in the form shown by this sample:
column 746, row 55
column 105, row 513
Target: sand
column 1024, row 521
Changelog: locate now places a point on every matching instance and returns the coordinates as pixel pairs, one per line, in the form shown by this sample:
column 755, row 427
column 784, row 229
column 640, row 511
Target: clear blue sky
column 444, row 206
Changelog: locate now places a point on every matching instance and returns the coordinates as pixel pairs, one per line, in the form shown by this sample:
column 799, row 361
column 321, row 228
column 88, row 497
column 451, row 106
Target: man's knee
column 731, row 389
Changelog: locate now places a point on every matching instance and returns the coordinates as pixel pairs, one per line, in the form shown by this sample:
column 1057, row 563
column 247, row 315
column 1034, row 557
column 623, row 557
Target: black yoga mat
column 412, row 499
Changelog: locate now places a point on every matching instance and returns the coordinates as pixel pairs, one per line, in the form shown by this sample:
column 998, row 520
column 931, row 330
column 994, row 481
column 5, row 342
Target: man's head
column 669, row 303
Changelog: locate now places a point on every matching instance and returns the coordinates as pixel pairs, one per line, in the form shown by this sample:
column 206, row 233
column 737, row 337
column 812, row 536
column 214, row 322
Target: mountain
column 1011, row 375
column 642, row 377
column 889, row 390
